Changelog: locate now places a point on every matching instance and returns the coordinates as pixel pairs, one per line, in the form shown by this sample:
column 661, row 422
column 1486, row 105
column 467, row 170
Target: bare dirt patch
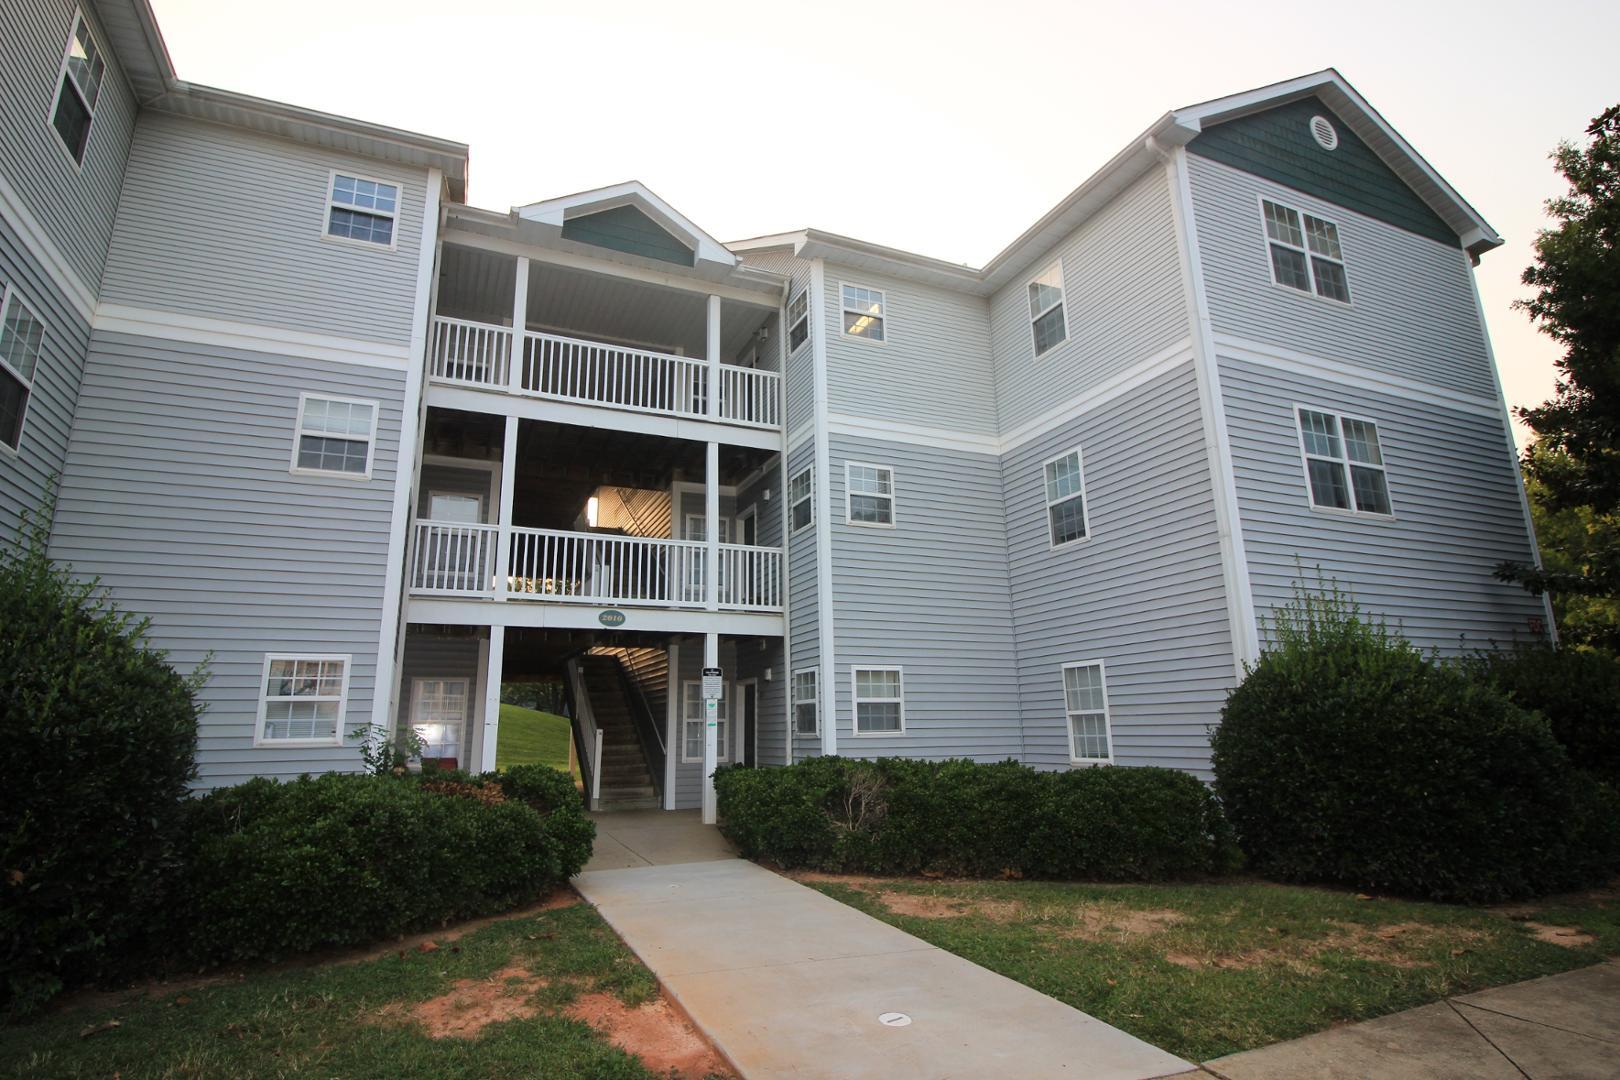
column 949, row 907
column 1109, row 923
column 1569, row 937
column 471, row 1005
column 654, row 1032
column 1393, row 944
column 804, row 876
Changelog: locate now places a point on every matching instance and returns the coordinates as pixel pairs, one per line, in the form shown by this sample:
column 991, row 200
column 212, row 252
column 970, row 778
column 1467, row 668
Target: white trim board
column 227, row 334
column 38, row 242
column 1347, row 374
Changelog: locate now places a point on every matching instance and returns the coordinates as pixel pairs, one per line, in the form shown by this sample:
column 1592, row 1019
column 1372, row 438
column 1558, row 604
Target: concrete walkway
column 1565, row 1026
column 787, row 982
column 627, row 838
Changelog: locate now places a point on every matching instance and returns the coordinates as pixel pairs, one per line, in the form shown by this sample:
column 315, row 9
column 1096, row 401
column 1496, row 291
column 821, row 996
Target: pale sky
column 938, row 126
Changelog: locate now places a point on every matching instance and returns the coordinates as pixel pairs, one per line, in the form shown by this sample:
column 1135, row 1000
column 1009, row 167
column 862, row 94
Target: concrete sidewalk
column 787, row 982
column 1565, row 1026
column 627, row 838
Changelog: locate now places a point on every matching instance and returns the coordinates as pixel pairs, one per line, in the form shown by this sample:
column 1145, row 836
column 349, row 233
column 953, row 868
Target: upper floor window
column 1046, row 318
column 880, row 701
column 1308, row 257
column 78, row 90
column 869, row 494
column 1343, row 463
column 801, row 501
column 863, row 311
column 301, row 700
column 360, row 209
column 1065, row 499
column 22, row 336
column 806, row 702
column 334, row 436
column 798, row 317
column 1085, row 700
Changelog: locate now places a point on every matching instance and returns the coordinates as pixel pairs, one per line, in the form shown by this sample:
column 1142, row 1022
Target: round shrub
column 1348, row 757
column 100, row 735
column 277, row 869
column 1577, row 691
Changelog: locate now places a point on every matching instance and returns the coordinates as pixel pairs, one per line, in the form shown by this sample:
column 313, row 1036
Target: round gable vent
column 1323, row 132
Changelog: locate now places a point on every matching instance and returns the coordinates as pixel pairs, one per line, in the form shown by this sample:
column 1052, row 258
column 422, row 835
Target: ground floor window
column 693, row 718
column 806, row 702
column 879, row 701
column 301, row 700
column 1085, row 699
column 439, row 715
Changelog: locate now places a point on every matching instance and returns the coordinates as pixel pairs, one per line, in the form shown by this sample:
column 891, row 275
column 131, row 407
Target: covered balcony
column 540, row 330
column 598, row 518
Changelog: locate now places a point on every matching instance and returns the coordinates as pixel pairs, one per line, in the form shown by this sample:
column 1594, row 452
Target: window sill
column 327, row 474
column 295, row 744
column 876, row 734
column 869, row 524
column 1089, row 763
column 1079, row 541
column 1353, row 515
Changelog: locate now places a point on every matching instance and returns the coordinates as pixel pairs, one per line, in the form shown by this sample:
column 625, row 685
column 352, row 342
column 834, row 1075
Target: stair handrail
column 588, row 737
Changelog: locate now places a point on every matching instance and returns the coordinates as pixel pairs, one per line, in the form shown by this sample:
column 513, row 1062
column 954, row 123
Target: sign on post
column 713, row 683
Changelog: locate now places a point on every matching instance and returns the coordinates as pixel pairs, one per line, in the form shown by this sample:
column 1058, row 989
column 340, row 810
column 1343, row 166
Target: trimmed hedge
column 1348, row 757
column 99, row 734
column 1577, row 691
column 277, row 869
column 899, row 816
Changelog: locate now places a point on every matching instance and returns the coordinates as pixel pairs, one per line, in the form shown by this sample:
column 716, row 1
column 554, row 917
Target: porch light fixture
column 590, row 511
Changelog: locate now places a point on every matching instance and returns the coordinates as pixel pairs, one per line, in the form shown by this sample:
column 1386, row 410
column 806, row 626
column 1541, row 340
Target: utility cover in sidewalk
column 894, row 1019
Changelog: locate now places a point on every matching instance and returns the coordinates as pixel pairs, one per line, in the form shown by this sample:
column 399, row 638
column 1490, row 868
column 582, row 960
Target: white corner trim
column 229, row 334
column 1240, row 610
column 823, row 524
column 1346, row 373
column 36, row 240
column 391, row 635
column 862, row 427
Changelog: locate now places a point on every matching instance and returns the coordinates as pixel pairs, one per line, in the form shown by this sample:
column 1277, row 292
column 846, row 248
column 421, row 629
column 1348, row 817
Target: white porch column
column 520, row 322
column 712, row 354
column 711, row 719
column 503, row 538
column 492, row 698
column 711, row 528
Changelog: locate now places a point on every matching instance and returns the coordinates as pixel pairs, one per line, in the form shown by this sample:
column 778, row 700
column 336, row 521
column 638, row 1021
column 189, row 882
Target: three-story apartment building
column 377, row 451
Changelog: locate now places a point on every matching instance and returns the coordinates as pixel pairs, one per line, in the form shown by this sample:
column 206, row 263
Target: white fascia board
column 555, row 212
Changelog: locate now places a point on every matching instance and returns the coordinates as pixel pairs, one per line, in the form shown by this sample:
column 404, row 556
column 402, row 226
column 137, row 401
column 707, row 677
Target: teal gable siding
column 624, row 228
column 1277, row 144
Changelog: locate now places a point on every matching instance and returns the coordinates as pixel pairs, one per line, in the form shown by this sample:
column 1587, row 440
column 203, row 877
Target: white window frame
column 793, row 324
column 882, row 317
column 62, row 74
column 794, row 701
column 1063, row 302
column 331, row 204
column 721, row 749
column 370, row 440
column 856, row 701
column 1085, row 501
column 1266, row 241
column 1107, row 711
column 466, row 710
column 259, row 738
column 8, row 296
column 849, row 504
column 1343, row 461
column 809, row 496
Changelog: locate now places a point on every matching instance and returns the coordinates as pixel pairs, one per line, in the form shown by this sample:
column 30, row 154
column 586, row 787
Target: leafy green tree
column 1575, row 461
column 1570, row 539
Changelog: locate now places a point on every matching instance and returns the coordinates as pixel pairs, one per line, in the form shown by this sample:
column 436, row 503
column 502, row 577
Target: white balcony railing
column 592, row 568
column 454, row 559
column 575, row 369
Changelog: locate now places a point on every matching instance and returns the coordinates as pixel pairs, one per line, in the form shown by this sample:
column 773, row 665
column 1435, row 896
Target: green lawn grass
column 1205, row 970
column 531, row 737
column 334, row 1020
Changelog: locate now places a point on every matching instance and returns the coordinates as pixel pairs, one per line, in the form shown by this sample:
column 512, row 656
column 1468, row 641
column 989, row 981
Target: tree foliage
column 1570, row 540
column 1575, row 460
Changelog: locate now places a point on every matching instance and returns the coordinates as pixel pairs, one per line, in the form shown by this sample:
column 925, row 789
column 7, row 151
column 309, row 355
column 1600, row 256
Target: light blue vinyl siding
column 25, row 475
column 804, row 604
column 753, row 657
column 75, row 205
column 800, row 367
column 929, row 595
column 177, row 494
column 1125, row 302
column 228, row 224
column 1457, row 511
column 1412, row 310
column 933, row 367
column 1144, row 594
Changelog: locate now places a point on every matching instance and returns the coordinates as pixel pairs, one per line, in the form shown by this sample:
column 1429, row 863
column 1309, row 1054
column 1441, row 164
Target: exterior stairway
column 627, row 783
